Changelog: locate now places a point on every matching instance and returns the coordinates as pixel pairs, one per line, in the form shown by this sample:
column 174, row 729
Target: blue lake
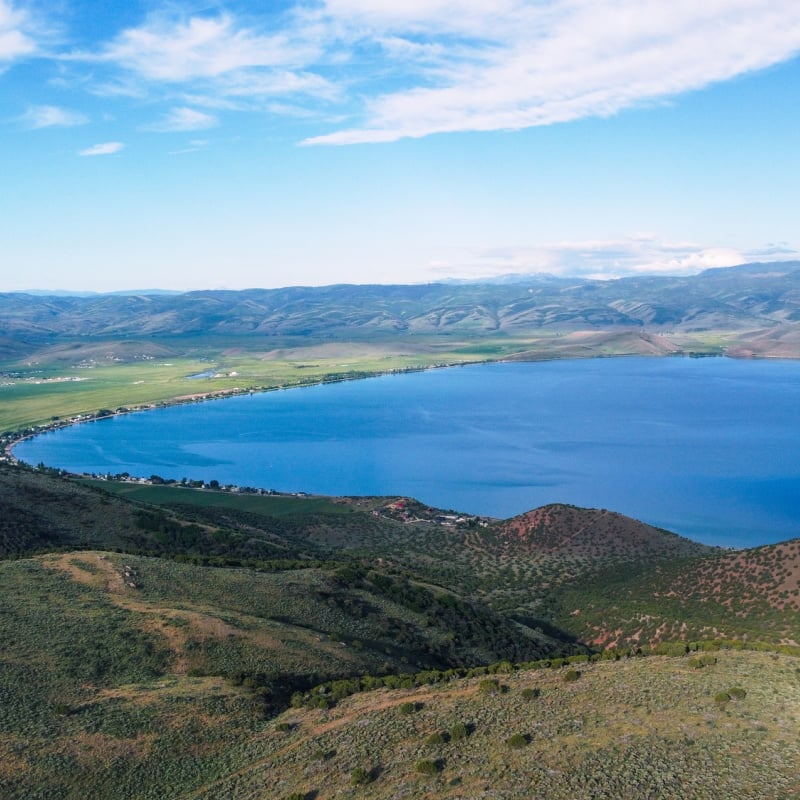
column 708, row 448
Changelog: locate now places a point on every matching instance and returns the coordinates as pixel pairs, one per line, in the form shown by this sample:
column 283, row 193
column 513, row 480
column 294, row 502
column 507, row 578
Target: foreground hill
column 750, row 595
column 640, row 728
column 718, row 724
column 542, row 581
column 165, row 669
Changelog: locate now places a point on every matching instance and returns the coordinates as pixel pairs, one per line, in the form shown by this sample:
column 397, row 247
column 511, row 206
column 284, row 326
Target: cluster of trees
column 472, row 627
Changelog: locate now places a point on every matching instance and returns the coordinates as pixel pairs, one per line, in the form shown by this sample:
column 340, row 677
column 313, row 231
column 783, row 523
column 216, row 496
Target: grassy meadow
column 71, row 382
column 266, row 505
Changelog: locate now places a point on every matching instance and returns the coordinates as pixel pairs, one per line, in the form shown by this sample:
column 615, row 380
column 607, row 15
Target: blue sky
column 185, row 145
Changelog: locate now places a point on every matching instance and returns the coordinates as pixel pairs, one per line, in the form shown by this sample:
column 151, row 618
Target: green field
column 266, row 505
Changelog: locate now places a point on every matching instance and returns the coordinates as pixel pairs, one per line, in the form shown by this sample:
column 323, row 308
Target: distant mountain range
column 751, row 296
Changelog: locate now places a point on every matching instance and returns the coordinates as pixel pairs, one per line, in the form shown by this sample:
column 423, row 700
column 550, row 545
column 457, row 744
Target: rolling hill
column 163, row 641
column 764, row 297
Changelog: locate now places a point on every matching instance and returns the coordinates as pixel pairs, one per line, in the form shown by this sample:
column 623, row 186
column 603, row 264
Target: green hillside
column 163, row 641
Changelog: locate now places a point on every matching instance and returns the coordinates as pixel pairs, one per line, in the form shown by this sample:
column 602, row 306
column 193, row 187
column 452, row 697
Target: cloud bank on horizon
column 378, row 72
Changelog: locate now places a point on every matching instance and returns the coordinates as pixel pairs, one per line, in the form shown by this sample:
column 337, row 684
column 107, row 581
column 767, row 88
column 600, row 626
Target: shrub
column 737, row 692
column 429, row 767
column 529, row 693
column 407, row 708
column 672, row 649
column 705, row 660
column 438, row 737
column 459, row 731
column 571, row 675
column 320, row 701
column 720, row 698
column 489, row 686
column 360, row 777
column 610, row 655
column 518, row 740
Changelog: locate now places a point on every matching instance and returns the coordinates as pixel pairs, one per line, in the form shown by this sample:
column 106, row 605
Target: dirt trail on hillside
column 119, row 586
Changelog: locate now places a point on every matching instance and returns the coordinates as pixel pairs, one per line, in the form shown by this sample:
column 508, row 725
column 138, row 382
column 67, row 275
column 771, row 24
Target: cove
column 708, row 448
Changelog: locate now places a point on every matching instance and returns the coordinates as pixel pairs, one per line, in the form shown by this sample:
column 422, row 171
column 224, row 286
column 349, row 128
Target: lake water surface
column 708, row 448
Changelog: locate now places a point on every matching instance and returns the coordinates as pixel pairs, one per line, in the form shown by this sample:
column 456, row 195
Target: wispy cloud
column 184, row 119
column 211, row 61
column 194, row 146
column 52, row 116
column 641, row 254
column 16, row 38
column 538, row 63
column 411, row 68
column 103, row 149
column 200, row 47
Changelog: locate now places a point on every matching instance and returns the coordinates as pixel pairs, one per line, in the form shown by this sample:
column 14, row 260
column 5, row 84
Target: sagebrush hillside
column 657, row 728
column 169, row 642
column 722, row 723
column 552, row 577
column 751, row 595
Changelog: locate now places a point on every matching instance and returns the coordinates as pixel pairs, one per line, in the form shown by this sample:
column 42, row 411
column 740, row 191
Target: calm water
column 709, row 448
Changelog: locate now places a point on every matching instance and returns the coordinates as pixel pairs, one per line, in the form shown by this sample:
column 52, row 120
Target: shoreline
column 9, row 442
column 246, row 478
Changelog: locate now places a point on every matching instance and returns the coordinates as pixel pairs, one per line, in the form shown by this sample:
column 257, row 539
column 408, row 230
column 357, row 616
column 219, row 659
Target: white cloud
column 411, row 68
column 545, row 62
column 16, row 40
column 52, row 116
column 184, row 119
column 640, row 254
column 104, row 149
column 194, row 146
column 211, row 61
column 201, row 47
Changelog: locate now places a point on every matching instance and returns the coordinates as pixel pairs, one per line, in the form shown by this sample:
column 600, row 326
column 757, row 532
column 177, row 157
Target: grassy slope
column 652, row 727
column 122, row 674
column 640, row 728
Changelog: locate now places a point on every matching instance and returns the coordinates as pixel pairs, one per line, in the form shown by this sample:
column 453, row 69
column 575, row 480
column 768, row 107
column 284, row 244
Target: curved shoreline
column 10, row 442
column 47, row 455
